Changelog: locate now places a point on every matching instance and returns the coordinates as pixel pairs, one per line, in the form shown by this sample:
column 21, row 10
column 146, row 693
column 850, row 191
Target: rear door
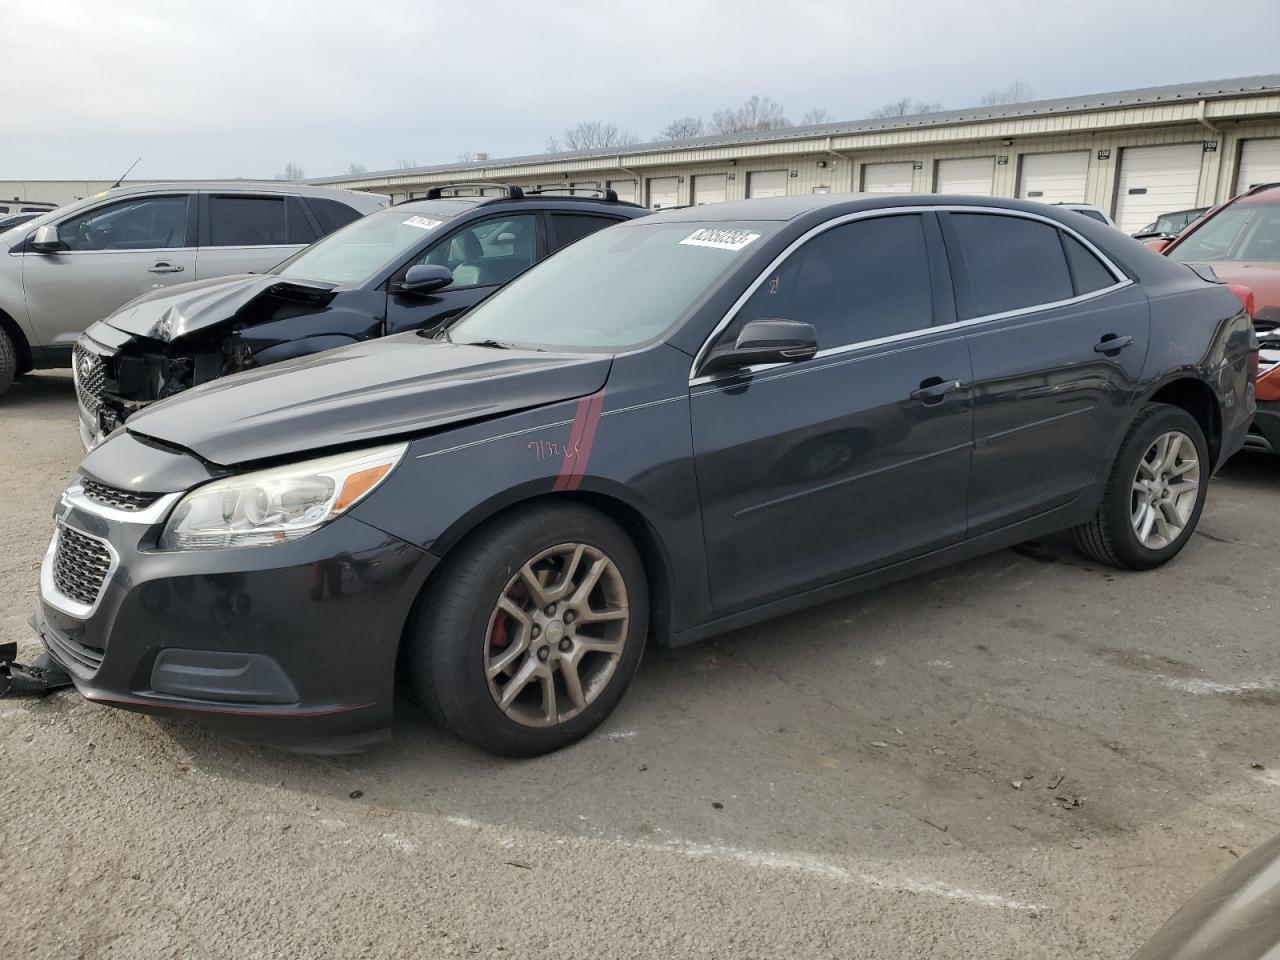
column 110, row 254
column 483, row 256
column 249, row 233
column 1058, row 340
column 811, row 471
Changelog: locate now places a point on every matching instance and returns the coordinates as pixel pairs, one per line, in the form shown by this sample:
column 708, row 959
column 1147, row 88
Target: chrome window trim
column 1118, row 274
column 54, row 597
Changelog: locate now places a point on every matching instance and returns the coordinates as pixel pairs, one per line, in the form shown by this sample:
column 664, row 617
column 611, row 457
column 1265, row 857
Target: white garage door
column 767, row 183
column 1156, row 180
column 972, row 175
column 664, row 192
column 1259, row 163
column 887, row 177
column 710, row 188
column 625, row 189
column 1054, row 177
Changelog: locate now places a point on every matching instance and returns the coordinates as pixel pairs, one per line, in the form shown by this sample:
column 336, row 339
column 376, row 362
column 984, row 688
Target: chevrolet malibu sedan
column 675, row 427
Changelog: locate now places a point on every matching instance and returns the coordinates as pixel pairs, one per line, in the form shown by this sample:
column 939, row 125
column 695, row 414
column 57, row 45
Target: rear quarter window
column 332, row 214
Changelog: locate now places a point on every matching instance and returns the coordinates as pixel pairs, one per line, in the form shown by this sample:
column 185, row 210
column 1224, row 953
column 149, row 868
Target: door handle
column 165, row 267
column 934, row 389
column 1112, row 344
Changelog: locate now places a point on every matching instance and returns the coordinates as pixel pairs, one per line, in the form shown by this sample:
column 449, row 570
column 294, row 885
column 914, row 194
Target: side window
column 570, row 227
column 1012, row 262
column 1087, row 269
column 332, row 214
column 238, row 221
column 859, row 281
column 148, row 223
column 300, row 229
column 487, row 253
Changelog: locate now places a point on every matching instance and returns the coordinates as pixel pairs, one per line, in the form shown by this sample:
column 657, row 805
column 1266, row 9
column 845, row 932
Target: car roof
column 247, row 186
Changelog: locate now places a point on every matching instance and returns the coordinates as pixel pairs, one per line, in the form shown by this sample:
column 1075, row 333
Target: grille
column 91, row 377
column 116, row 498
column 80, row 565
column 80, row 657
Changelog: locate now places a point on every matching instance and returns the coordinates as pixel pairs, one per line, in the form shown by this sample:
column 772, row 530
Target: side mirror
column 425, row 278
column 45, row 239
column 766, row 341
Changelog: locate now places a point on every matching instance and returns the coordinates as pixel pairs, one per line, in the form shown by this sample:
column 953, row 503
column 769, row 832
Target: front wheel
column 8, row 360
column 1154, row 495
column 531, row 634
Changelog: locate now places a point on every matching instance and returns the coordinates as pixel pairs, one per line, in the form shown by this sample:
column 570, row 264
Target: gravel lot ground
column 1027, row 755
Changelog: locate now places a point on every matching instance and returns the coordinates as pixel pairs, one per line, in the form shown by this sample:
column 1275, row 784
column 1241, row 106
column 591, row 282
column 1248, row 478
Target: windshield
column 1243, row 231
column 611, row 290
column 359, row 251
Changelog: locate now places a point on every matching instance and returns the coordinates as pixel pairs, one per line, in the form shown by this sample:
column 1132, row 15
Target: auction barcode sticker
column 423, row 223
column 720, row 238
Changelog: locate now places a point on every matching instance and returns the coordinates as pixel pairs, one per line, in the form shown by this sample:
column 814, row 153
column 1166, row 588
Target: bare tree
column 815, row 117
column 355, row 169
column 1016, row 92
column 406, row 164
column 686, row 128
column 904, row 107
column 757, row 113
column 291, row 172
column 591, row 135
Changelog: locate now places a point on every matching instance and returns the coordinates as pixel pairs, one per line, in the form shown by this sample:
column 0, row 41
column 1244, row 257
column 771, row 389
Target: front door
column 110, row 254
column 483, row 256
column 1056, row 365
column 812, row 471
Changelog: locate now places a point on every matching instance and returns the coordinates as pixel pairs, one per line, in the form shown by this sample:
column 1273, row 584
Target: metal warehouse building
column 1134, row 153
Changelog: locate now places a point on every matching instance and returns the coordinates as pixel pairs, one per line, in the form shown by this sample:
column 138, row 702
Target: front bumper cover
column 292, row 644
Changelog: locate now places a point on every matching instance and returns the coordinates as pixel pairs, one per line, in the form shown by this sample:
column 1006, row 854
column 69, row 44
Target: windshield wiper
column 495, row 344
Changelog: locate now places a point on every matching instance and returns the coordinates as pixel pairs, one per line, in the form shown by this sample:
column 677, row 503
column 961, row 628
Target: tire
column 1114, row 536
column 8, row 361
column 461, row 635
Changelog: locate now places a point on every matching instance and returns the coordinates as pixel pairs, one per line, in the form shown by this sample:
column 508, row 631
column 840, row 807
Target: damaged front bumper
column 37, row 680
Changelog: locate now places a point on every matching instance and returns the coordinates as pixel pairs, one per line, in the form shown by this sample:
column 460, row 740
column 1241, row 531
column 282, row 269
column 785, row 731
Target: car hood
column 168, row 313
column 1237, row 917
column 1260, row 276
column 394, row 386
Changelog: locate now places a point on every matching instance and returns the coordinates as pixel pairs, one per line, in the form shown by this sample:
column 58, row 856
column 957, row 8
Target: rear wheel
column 8, row 360
column 1154, row 495
column 530, row 636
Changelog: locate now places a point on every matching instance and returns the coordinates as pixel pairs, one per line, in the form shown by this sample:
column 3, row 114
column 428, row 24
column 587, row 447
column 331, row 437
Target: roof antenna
column 125, row 174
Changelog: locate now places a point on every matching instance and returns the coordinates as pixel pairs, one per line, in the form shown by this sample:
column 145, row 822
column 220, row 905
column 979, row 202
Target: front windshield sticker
column 423, row 223
column 720, row 238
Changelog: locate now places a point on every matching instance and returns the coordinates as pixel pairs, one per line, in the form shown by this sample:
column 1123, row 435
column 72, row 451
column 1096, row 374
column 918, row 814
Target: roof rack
column 602, row 193
column 509, row 191
column 1259, row 187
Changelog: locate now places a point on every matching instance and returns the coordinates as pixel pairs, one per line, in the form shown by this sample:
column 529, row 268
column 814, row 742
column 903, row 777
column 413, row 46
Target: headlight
column 271, row 506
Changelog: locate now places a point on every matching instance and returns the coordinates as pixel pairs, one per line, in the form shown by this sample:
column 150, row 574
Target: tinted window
column 1091, row 214
column 1012, row 262
column 487, row 253
column 300, row 229
column 149, row 223
column 1087, row 269
column 331, row 213
column 860, row 281
column 572, row 226
column 246, row 221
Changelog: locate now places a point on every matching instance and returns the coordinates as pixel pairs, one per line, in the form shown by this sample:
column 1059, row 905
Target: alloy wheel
column 556, row 635
column 1165, row 489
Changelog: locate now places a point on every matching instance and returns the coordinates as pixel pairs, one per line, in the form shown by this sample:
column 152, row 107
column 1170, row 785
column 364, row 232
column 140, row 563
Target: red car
column 1240, row 240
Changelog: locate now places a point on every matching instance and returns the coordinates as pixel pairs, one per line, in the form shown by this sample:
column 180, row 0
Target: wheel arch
column 19, row 339
column 1197, row 398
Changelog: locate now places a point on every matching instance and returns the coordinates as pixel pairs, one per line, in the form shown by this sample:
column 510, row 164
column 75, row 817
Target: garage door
column 767, row 183
column 710, row 188
column 1054, row 177
column 1259, row 163
column 887, row 177
column 664, row 192
column 972, row 175
column 1156, row 180
column 625, row 189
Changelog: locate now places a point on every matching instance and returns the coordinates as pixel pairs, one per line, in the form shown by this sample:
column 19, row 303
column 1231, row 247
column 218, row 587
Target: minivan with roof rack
column 413, row 266
column 71, row 266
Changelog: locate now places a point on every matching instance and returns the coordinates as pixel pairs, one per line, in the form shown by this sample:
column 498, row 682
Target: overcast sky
column 233, row 88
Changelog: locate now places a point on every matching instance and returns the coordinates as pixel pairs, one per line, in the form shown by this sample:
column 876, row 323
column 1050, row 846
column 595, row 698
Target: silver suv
column 62, row 271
